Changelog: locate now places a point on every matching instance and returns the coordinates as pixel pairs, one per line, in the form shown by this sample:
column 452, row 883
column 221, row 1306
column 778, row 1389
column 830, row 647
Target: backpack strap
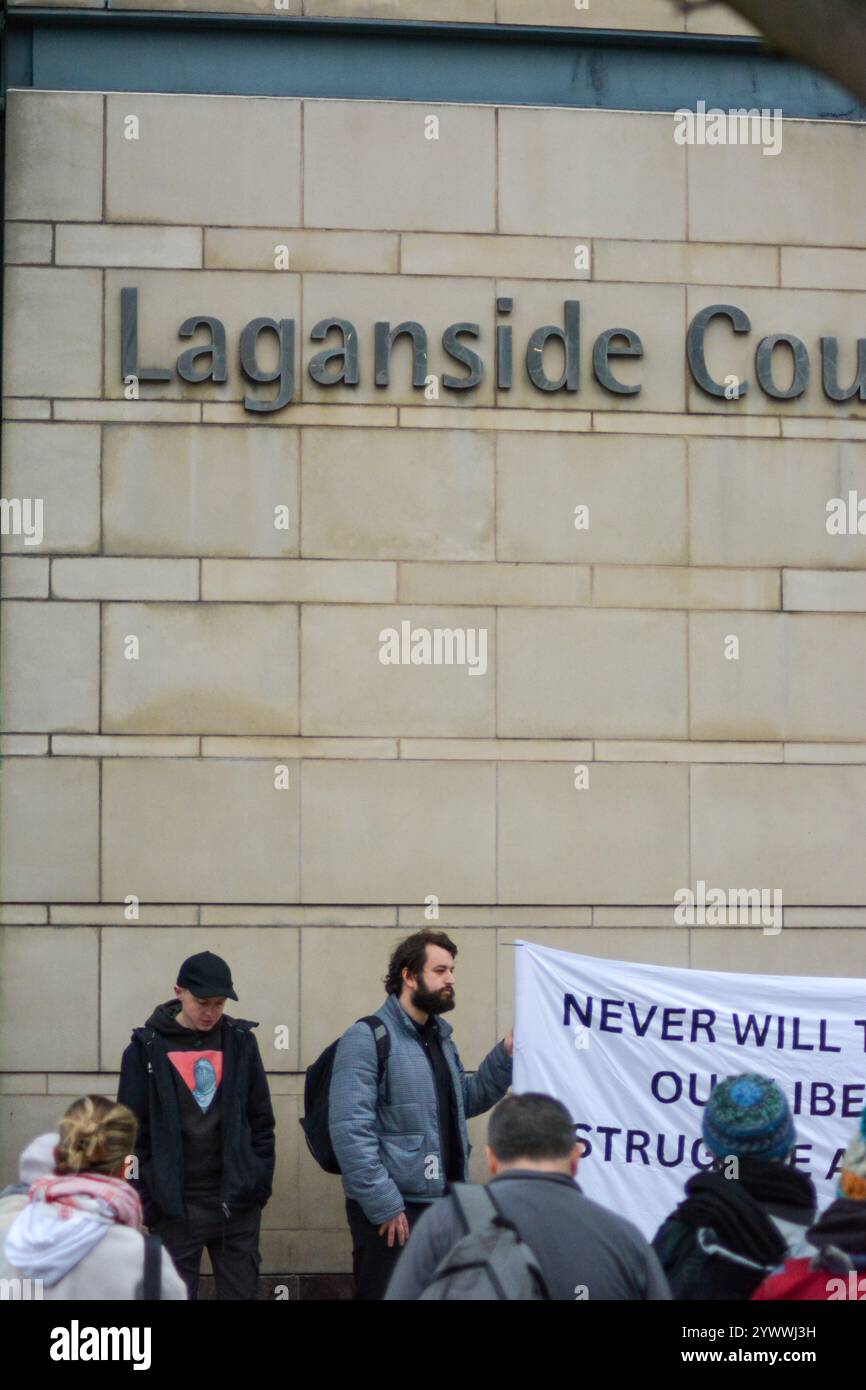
column 382, row 1039
column 708, row 1241
column 480, row 1212
column 150, row 1287
column 477, row 1207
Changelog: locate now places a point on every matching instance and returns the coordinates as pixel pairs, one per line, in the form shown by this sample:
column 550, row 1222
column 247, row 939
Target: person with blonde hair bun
column 80, row 1232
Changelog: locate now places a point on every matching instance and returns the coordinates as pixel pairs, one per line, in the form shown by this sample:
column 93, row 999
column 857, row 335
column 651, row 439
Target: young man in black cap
column 195, row 1079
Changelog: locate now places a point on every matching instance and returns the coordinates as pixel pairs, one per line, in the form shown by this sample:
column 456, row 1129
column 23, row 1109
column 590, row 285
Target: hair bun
column 95, row 1133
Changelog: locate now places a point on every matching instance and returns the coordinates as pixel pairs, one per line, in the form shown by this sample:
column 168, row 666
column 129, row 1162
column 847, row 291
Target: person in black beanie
column 205, row 1153
column 748, row 1213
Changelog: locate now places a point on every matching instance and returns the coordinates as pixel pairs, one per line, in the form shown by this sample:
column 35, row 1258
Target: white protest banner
column 633, row 1050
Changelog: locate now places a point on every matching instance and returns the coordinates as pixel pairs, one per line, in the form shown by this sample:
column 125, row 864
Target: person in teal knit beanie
column 749, row 1210
column 748, row 1115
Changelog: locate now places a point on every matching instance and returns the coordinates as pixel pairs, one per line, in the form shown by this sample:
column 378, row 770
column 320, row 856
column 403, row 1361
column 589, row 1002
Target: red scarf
column 94, row 1194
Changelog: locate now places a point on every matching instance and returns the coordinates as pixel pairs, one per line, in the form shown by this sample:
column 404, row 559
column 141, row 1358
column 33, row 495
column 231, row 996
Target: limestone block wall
column 660, row 15
column 157, row 777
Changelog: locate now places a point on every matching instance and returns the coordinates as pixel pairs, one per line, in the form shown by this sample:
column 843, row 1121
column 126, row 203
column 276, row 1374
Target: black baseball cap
column 207, row 976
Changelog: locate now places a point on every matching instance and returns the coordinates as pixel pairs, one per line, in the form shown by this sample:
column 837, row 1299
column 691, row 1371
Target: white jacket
column 111, row 1271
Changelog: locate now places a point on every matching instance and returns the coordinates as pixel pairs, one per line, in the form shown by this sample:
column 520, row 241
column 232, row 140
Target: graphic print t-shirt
column 197, row 1065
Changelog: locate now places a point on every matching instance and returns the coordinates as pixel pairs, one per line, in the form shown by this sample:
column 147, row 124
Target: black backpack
column 490, row 1262
column 317, row 1090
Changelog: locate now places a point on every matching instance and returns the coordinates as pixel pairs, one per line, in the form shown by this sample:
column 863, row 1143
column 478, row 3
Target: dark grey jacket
column 386, row 1137
column 585, row 1251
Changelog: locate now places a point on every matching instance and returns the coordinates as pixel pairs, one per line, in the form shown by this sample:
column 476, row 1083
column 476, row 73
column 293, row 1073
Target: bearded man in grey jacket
column 402, row 1140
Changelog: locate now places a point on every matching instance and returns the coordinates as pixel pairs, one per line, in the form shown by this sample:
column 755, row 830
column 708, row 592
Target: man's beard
column 434, row 1001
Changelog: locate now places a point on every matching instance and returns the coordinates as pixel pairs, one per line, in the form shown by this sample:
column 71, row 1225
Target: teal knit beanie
column 748, row 1116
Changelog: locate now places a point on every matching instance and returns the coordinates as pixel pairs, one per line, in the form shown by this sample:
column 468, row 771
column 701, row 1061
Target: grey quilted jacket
column 386, row 1137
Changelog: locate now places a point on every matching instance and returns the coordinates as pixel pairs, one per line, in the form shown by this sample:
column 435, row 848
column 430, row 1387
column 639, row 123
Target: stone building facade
column 202, row 745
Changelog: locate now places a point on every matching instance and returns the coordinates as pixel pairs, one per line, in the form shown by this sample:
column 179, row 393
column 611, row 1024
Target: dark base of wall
column 304, row 1288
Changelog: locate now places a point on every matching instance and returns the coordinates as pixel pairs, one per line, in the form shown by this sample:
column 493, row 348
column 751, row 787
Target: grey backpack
column 490, row 1262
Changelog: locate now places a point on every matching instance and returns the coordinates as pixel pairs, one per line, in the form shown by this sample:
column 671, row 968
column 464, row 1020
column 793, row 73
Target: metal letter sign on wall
column 776, row 356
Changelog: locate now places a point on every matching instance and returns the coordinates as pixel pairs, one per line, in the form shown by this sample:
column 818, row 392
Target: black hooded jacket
column 723, row 1239
column 147, row 1087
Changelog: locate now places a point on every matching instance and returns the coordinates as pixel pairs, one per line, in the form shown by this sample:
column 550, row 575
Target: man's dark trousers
column 373, row 1260
column 232, row 1243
